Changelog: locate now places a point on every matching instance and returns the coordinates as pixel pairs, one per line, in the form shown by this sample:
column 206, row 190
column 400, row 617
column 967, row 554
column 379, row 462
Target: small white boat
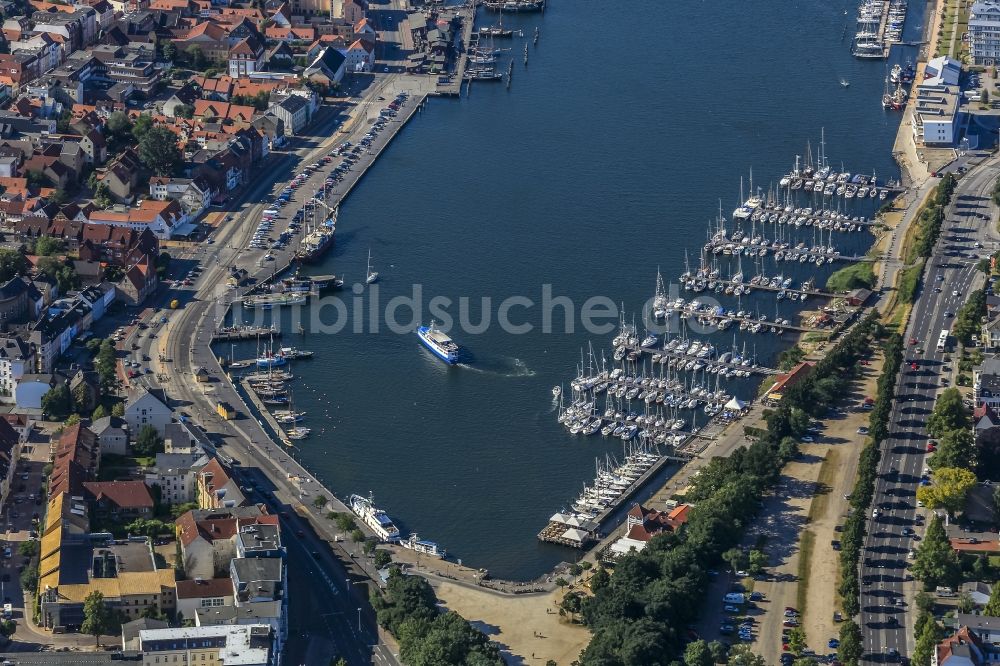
column 370, row 276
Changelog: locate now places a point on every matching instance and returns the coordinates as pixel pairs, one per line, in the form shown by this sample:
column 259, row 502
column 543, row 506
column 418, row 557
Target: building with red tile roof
column 119, row 499
column 785, row 381
column 963, row 648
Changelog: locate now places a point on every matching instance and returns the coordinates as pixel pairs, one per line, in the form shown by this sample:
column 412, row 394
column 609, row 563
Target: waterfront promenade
column 184, row 345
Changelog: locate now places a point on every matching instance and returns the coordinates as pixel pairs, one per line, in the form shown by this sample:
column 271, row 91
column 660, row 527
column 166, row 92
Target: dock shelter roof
column 575, row 535
column 559, row 518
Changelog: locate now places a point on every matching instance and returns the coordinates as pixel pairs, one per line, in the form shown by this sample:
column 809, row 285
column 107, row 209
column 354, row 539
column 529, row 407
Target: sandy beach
column 528, row 627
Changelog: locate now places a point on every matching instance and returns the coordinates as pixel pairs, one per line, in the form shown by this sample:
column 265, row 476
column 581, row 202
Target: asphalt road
column 949, row 277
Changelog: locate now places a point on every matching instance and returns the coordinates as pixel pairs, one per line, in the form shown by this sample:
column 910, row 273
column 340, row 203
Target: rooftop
column 238, row 644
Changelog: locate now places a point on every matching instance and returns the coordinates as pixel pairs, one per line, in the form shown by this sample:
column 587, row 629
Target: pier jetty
column 239, row 333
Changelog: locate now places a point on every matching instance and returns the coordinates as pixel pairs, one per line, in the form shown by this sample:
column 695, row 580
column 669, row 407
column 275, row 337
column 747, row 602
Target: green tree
column 719, row 652
column 850, row 649
column 345, row 522
column 169, row 51
column 599, row 579
column 141, row 127
column 382, row 558
column 81, row 398
column 967, row 320
column 357, row 536
column 29, row 577
column 61, row 271
column 965, row 604
column 956, row 448
column 158, row 151
column 949, row 413
column 12, row 263
column 195, row 57
column 96, row 616
column 736, row 558
column 697, row 653
column 28, row 548
column 928, row 637
column 106, row 363
column 118, row 131
column 319, row 501
column 46, row 246
column 948, row 490
column 99, row 413
column 57, row 403
column 740, row 655
column 102, row 196
column 148, row 443
column 184, row 111
column 58, row 197
column 797, row 640
column 992, row 607
column 758, row 561
column 118, row 409
column 936, row 563
column 178, row 510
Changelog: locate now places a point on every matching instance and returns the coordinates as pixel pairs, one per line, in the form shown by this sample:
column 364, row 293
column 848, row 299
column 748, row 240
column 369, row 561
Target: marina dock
column 880, row 25
column 239, row 333
column 566, row 529
column 264, row 411
column 798, row 217
column 749, row 287
column 672, row 358
column 746, row 322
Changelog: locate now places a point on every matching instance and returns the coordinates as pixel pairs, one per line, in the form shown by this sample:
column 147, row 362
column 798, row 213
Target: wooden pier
column 777, row 289
column 716, row 318
column 730, row 248
column 554, row 531
column 824, row 222
column 670, row 355
column 244, row 333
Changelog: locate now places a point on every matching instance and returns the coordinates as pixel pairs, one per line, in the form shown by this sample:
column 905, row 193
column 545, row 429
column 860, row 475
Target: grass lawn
column 115, row 467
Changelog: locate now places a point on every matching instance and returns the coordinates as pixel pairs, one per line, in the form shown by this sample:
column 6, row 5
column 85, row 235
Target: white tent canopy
column 575, row 535
column 736, row 403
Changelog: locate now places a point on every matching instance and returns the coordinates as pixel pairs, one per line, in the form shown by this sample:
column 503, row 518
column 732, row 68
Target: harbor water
column 605, row 160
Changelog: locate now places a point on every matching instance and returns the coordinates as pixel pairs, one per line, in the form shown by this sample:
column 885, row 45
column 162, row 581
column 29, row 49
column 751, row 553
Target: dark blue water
column 606, row 159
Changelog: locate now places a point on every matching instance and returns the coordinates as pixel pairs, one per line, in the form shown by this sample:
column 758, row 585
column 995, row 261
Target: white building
column 942, row 71
column 112, row 433
column 936, row 115
column 142, row 409
column 220, row 645
column 16, row 359
column 984, row 32
column 986, row 383
column 359, row 57
column 177, row 476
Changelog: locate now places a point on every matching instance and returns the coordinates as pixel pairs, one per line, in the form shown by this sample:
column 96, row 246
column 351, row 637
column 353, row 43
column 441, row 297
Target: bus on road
column 942, row 343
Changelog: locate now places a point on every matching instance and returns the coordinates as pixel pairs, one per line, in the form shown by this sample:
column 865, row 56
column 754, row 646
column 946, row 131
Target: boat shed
column 789, row 379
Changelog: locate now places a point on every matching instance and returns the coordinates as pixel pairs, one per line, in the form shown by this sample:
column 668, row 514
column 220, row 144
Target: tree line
column 853, row 533
column 427, row 637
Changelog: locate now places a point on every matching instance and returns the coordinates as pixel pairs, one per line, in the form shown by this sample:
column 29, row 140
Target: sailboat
column 370, row 275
